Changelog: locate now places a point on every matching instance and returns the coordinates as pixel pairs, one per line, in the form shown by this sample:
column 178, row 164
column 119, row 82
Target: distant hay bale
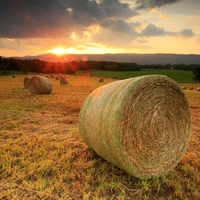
column 101, row 79
column 142, row 125
column 40, row 85
column 64, row 81
column 57, row 78
column 14, row 76
column 26, row 82
column 198, row 89
column 184, row 88
column 191, row 88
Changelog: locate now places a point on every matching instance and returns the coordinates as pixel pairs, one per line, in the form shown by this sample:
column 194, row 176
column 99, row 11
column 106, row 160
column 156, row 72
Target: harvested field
column 43, row 156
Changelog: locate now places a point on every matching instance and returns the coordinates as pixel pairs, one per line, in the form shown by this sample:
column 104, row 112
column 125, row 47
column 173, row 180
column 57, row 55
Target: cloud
column 187, row 33
column 145, row 4
column 31, row 19
column 56, row 18
column 117, row 33
column 152, row 30
column 119, row 26
column 164, row 17
column 114, row 8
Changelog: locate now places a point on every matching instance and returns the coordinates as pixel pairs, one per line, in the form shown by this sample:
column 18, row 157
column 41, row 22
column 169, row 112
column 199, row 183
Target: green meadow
column 181, row 76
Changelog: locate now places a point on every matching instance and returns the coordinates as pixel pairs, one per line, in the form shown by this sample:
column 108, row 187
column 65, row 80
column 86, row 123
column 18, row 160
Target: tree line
column 70, row 67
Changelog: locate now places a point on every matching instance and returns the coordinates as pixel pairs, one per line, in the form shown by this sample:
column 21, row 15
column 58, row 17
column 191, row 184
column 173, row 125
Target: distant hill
column 136, row 58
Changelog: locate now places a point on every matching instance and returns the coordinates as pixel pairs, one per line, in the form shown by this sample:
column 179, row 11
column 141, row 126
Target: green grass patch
column 11, row 73
column 180, row 76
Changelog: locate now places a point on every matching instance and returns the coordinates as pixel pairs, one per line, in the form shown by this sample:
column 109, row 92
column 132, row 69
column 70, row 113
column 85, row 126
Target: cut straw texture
column 26, row 82
column 142, row 125
column 40, row 85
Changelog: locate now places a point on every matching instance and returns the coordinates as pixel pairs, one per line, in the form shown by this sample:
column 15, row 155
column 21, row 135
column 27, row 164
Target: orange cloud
column 164, row 17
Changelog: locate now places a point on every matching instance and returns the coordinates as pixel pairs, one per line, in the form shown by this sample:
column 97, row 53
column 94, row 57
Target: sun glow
column 59, row 50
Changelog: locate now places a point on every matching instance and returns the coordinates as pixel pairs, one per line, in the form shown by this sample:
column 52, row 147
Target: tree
column 196, row 73
column 24, row 69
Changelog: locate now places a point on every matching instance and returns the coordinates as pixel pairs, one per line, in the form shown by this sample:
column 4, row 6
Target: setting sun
column 58, row 50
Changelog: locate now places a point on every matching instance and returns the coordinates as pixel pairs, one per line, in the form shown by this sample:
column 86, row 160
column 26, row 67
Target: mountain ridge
column 157, row 58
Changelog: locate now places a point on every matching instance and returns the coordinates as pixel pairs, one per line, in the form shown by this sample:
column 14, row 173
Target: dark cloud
column 187, row 33
column 32, row 18
column 118, row 26
column 117, row 9
column 152, row 30
column 117, row 33
column 83, row 12
column 143, row 4
column 56, row 18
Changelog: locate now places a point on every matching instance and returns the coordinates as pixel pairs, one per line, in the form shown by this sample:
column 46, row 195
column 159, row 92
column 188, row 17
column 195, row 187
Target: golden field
column 43, row 156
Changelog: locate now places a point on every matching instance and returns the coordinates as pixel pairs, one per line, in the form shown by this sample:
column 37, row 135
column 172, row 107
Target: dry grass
column 42, row 155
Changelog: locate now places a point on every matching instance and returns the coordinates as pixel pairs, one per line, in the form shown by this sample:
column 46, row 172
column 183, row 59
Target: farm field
column 43, row 156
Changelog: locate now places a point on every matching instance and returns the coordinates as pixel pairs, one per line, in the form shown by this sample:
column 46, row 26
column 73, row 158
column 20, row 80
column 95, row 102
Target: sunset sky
column 34, row 27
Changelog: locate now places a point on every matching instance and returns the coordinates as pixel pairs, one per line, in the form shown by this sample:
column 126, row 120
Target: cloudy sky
column 33, row 27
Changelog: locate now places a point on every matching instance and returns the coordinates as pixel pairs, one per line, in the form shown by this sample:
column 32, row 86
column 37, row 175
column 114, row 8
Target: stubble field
column 43, row 156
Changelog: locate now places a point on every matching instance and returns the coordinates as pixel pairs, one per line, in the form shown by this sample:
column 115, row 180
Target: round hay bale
column 198, row 89
column 142, row 125
column 101, row 79
column 26, row 81
column 191, row 88
column 64, row 81
column 184, row 88
column 40, row 85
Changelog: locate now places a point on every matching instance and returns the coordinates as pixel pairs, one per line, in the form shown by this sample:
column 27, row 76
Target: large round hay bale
column 142, row 125
column 26, row 81
column 40, row 85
